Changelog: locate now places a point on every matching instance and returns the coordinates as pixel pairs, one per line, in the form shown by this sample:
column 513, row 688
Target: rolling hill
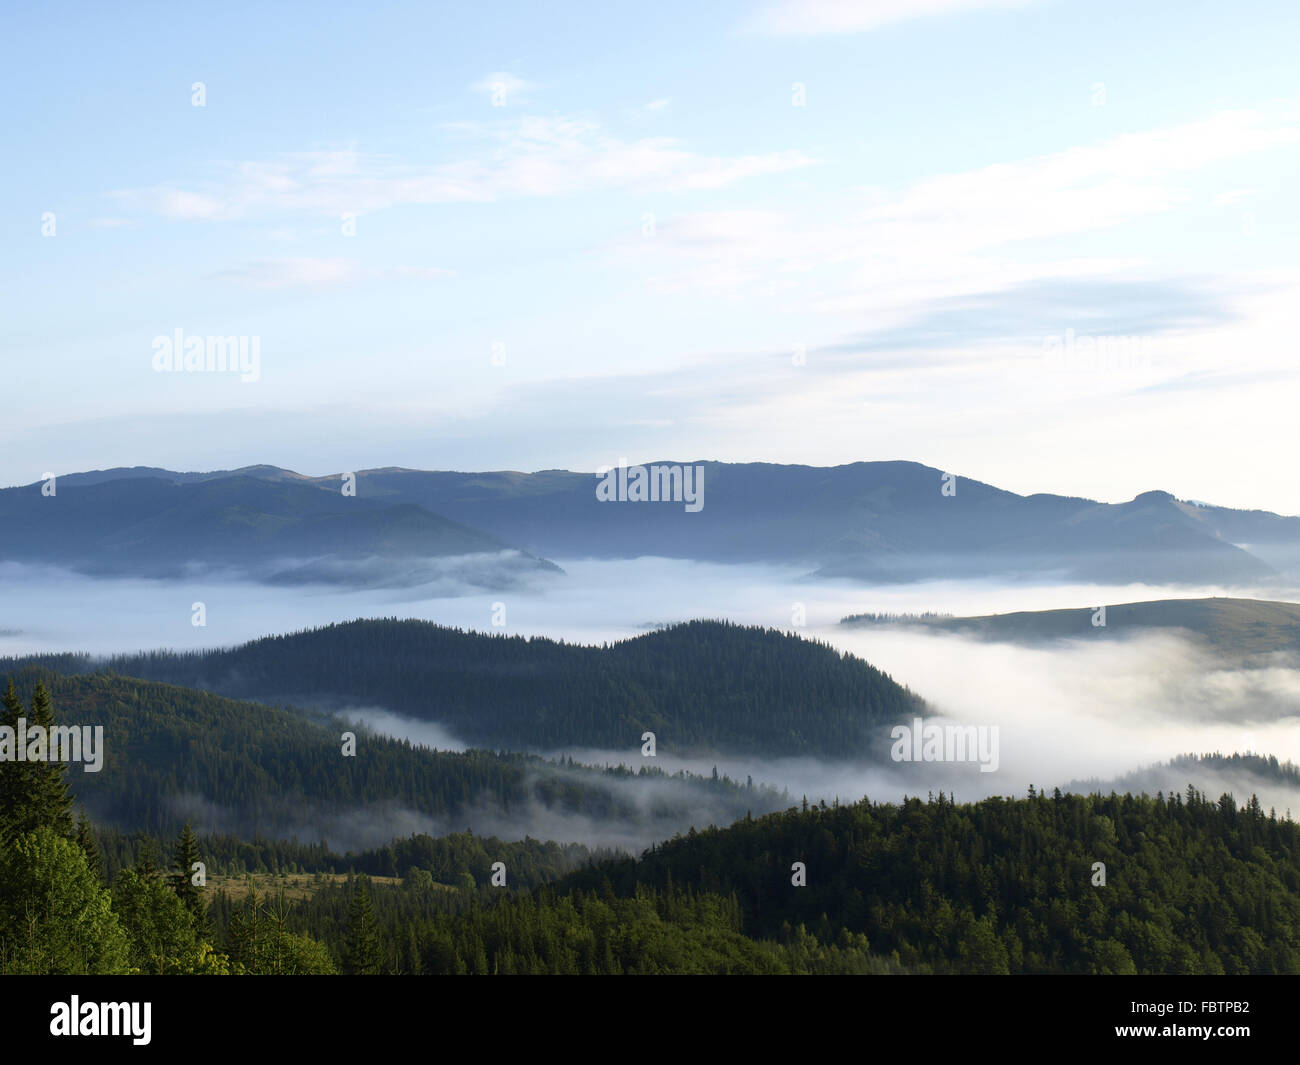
column 173, row 754
column 1248, row 630
column 702, row 687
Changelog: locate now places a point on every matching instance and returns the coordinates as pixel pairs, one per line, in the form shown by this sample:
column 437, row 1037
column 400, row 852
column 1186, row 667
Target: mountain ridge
column 885, row 521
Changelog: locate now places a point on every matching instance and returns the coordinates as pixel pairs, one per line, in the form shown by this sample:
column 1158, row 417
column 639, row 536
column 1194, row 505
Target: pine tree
column 145, row 863
column 186, row 855
column 241, row 935
column 90, row 845
column 14, row 786
column 50, row 791
column 361, row 951
column 33, row 794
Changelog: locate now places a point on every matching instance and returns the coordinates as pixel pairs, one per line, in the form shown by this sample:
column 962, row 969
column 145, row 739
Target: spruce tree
column 185, row 856
column 52, row 803
column 32, row 794
column 14, row 785
column 241, row 934
column 90, row 845
column 361, row 951
column 146, row 864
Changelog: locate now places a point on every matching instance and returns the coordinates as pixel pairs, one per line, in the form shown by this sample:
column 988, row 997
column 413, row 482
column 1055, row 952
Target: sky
column 1048, row 245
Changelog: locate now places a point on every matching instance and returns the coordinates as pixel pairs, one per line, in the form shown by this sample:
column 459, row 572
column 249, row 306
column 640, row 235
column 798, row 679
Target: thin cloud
column 954, row 236
column 529, row 156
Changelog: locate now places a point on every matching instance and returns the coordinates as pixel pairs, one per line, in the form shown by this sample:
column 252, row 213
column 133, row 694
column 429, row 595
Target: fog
column 1065, row 712
column 47, row 609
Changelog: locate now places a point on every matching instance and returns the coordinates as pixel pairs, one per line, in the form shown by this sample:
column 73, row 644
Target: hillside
column 1246, row 629
column 701, row 687
column 1192, row 885
column 173, row 754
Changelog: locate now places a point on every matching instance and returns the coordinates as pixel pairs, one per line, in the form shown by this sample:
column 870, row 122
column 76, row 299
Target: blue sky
column 1049, row 245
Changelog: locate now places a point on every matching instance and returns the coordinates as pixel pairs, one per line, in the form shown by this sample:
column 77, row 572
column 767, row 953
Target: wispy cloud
column 522, row 157
column 952, row 236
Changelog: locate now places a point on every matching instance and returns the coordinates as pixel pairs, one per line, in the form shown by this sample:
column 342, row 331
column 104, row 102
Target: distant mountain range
column 875, row 521
column 277, row 529
column 1247, row 630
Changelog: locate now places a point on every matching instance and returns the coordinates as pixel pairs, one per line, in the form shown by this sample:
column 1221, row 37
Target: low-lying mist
column 43, row 608
column 1065, row 712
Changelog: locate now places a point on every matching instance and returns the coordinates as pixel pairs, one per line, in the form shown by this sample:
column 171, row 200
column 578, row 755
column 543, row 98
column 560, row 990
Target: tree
column 162, row 933
column 186, row 856
column 53, row 804
column 90, row 846
column 15, row 790
column 361, row 950
column 145, row 862
column 242, row 934
column 32, row 793
column 54, row 916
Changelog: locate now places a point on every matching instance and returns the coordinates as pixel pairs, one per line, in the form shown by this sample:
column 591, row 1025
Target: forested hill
column 701, row 687
column 172, row 754
column 1245, row 631
column 1191, row 885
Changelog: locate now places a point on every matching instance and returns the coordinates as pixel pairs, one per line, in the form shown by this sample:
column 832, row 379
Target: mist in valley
column 1075, row 711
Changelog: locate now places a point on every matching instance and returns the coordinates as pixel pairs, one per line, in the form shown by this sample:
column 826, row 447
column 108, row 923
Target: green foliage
column 261, row 942
column 185, row 857
column 268, row 770
column 361, row 949
column 700, row 686
column 55, row 918
column 33, row 794
column 163, row 933
column 50, row 799
column 90, row 845
column 1001, row 886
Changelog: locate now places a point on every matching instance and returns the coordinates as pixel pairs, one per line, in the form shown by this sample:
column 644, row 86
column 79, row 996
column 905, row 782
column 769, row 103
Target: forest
column 1065, row 883
column 701, row 686
column 243, row 768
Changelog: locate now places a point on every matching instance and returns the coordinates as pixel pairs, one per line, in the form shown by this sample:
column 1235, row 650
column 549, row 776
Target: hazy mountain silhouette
column 878, row 521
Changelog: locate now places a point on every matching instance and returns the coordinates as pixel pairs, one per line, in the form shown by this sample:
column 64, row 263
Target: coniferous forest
column 1114, row 884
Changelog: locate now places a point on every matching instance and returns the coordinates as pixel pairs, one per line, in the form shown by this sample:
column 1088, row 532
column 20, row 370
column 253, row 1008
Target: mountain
column 1248, row 630
column 283, row 529
column 702, row 687
column 879, row 521
column 876, row 521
